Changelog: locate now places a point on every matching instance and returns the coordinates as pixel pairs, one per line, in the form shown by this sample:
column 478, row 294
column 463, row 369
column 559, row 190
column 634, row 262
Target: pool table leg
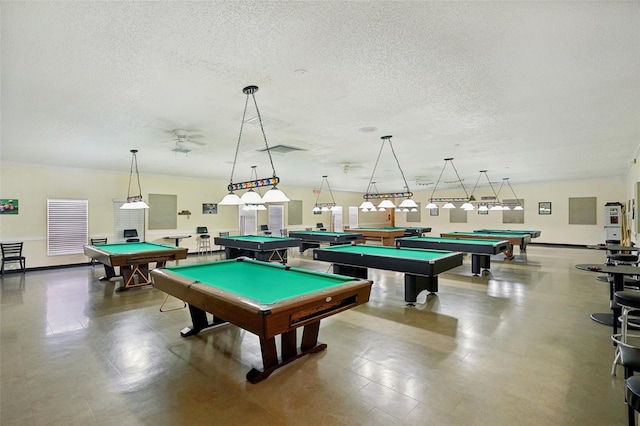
column 128, row 275
column 351, row 271
column 508, row 254
column 289, row 350
column 415, row 284
column 479, row 261
column 199, row 321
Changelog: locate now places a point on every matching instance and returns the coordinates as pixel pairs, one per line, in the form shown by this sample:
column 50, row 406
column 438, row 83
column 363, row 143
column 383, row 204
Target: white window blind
column 276, row 218
column 336, row 218
column 127, row 219
column 67, row 226
column 248, row 220
column 353, row 216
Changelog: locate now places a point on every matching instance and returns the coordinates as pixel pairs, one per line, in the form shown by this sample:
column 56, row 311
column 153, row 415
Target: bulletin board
column 583, row 211
column 163, row 211
column 294, row 212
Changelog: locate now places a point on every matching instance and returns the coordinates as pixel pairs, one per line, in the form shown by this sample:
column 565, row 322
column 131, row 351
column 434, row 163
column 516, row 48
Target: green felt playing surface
column 378, row 229
column 497, row 234
column 256, row 238
column 120, row 248
column 454, row 240
column 331, row 234
column 403, row 253
column 266, row 283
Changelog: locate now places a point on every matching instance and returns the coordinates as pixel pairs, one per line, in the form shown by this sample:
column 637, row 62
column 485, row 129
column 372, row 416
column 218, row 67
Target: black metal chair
column 95, row 241
column 131, row 235
column 265, row 229
column 320, row 226
column 12, row 252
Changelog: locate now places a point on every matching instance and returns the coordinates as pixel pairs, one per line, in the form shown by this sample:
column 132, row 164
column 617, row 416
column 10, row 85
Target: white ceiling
column 533, row 91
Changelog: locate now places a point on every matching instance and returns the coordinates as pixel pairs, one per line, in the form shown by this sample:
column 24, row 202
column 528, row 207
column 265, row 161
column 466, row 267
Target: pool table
column 415, row 231
column 133, row 259
column 533, row 233
column 266, row 299
column 420, row 267
column 518, row 239
column 313, row 239
column 481, row 250
column 259, row 247
column 386, row 235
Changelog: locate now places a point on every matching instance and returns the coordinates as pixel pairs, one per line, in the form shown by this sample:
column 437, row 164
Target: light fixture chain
column 439, row 177
column 263, row 134
column 398, row 162
column 130, row 174
column 235, row 158
column 330, row 191
column 475, row 186
column 494, row 191
column 137, row 174
column 374, row 167
column 320, row 191
column 510, row 187
column 460, row 180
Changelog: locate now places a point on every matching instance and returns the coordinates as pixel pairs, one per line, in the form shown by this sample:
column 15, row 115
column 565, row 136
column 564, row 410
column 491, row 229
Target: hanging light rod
column 449, row 200
column 259, row 183
column 387, row 196
column 134, row 202
column 274, row 195
column 507, row 205
column 328, row 206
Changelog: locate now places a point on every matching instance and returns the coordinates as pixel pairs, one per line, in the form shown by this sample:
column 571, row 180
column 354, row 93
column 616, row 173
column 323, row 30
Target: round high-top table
column 618, row 272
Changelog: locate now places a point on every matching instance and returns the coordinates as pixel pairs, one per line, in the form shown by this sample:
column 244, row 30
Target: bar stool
column 628, row 301
column 204, row 241
column 633, row 398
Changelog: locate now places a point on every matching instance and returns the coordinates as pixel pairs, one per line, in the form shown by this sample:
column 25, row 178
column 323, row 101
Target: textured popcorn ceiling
column 533, row 91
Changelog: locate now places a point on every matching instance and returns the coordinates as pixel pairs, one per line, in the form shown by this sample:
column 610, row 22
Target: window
column 67, row 226
column 127, row 219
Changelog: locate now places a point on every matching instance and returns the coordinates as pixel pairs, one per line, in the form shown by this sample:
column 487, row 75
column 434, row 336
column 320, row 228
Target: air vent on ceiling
column 282, row 149
column 181, row 150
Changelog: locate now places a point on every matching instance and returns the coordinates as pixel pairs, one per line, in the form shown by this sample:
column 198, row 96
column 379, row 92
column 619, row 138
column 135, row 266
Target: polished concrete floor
column 515, row 346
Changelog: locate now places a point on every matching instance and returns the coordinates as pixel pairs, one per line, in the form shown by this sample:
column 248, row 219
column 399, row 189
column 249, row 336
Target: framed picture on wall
column 544, row 207
column 434, row 212
column 8, row 206
column 209, row 208
column 483, row 211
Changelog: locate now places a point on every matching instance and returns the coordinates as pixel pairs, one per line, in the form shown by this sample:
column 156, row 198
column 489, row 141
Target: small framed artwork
column 483, row 211
column 8, row 206
column 209, row 208
column 544, row 207
column 434, row 212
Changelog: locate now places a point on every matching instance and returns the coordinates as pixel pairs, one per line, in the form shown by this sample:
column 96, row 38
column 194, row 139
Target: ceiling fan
column 183, row 139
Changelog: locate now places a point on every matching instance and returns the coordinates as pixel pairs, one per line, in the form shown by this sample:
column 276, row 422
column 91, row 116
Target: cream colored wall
column 33, row 185
column 555, row 227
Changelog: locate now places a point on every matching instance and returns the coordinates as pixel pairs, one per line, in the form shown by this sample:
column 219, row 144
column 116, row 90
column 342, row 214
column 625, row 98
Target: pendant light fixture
column 273, row 195
column 386, row 198
column 495, row 204
column 134, row 202
column 328, row 206
column 449, row 201
column 505, row 206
